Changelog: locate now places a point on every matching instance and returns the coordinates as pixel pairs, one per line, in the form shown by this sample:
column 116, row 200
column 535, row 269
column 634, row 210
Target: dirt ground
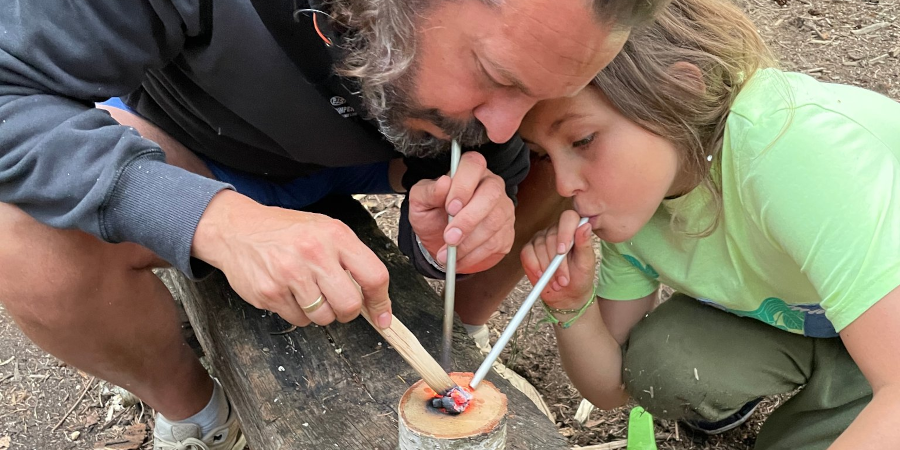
column 46, row 405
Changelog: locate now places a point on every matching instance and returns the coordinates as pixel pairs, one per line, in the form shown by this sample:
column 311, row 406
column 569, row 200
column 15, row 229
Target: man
column 233, row 119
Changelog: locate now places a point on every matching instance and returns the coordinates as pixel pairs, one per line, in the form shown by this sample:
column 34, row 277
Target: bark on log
column 336, row 386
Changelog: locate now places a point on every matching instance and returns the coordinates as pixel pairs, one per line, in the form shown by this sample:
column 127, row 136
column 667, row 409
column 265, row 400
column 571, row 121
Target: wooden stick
column 409, row 347
column 75, row 405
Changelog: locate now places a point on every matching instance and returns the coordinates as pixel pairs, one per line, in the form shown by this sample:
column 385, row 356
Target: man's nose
column 502, row 114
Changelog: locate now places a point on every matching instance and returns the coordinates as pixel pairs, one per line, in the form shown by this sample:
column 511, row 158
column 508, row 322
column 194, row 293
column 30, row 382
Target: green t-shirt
column 809, row 236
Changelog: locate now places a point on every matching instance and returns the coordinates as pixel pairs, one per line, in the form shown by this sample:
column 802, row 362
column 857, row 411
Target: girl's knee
column 665, row 366
column 664, row 389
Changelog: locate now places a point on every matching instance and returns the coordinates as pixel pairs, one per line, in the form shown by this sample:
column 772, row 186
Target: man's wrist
column 427, row 255
column 213, row 222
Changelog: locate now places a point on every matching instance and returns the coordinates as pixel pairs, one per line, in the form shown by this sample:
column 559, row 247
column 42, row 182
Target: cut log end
column 481, row 426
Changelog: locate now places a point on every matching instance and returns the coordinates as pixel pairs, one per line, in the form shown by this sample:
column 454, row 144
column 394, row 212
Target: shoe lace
column 187, row 444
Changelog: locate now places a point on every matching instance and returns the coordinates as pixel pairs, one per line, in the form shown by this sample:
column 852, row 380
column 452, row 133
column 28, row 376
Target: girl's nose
column 568, row 182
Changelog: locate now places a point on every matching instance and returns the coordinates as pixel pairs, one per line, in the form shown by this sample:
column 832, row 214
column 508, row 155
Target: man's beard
column 400, row 106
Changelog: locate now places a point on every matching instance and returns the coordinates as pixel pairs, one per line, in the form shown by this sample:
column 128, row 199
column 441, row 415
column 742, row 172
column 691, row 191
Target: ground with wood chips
column 46, row 405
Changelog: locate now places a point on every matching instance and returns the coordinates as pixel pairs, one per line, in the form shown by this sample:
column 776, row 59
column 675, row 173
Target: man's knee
column 47, row 274
column 176, row 153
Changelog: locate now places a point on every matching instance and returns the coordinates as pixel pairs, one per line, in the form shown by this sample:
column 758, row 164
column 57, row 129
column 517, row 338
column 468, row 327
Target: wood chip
column 4, row 442
column 607, row 446
column 870, row 28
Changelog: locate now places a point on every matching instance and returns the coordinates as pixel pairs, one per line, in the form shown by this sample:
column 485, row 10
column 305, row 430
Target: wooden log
column 481, row 426
column 336, row 386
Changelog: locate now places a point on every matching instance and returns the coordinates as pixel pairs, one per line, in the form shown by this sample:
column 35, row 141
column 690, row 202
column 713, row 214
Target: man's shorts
column 299, row 192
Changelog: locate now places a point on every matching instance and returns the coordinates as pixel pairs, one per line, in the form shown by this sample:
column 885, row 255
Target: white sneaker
column 187, row 437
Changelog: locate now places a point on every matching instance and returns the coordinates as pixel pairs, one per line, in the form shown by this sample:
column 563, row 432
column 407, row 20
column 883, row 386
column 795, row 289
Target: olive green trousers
column 687, row 360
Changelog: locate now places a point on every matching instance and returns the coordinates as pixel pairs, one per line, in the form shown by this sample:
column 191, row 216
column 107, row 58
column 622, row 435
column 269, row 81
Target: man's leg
column 686, row 360
column 99, row 307
column 539, row 206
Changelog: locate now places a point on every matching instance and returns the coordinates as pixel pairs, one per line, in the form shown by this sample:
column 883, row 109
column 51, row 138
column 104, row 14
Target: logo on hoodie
column 340, row 105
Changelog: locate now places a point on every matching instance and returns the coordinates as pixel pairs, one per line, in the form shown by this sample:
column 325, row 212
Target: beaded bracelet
column 578, row 312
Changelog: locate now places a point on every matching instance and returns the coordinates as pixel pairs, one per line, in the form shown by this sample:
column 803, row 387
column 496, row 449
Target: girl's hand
column 573, row 282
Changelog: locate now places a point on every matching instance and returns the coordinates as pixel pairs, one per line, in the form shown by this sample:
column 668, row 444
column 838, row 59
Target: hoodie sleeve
column 510, row 161
column 72, row 166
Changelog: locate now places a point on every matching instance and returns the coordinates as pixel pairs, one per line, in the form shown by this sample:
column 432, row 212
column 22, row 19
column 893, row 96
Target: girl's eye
column 584, row 142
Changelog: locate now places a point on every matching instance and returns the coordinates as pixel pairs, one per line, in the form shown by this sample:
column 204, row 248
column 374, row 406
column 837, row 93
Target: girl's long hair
column 650, row 83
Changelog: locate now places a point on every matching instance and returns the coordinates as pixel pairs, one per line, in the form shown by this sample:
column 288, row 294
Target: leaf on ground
column 90, row 420
column 4, row 442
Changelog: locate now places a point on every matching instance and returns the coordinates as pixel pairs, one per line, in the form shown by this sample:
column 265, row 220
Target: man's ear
column 689, row 74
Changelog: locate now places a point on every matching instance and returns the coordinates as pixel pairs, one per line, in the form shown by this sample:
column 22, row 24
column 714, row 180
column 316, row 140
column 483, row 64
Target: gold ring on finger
column 314, row 305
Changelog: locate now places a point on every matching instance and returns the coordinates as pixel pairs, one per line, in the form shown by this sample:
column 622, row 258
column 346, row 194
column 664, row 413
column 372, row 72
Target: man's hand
column 282, row 260
column 483, row 215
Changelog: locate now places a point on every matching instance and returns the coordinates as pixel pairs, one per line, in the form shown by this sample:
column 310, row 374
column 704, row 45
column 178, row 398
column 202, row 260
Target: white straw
column 520, row 316
column 450, row 280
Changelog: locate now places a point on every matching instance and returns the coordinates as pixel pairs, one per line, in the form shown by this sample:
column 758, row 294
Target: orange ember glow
column 454, row 401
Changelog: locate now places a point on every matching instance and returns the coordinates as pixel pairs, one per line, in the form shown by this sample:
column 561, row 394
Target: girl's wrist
column 565, row 317
column 571, row 305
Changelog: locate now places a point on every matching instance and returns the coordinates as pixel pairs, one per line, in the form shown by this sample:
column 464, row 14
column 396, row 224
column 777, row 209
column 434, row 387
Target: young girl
column 768, row 200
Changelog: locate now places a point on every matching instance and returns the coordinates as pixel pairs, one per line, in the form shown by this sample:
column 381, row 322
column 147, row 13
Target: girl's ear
column 689, row 74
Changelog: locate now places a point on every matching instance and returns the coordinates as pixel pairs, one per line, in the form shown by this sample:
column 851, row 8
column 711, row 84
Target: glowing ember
column 454, row 401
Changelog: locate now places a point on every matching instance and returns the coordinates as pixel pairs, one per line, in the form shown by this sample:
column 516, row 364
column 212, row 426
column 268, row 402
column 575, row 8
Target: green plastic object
column 640, row 430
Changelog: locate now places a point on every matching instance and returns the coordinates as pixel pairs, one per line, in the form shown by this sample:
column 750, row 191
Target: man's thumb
column 436, row 194
column 376, row 304
column 379, row 308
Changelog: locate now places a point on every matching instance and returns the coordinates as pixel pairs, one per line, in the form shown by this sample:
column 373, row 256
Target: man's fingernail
column 587, row 231
column 384, row 320
column 454, row 207
column 442, row 256
column 561, row 248
column 452, row 236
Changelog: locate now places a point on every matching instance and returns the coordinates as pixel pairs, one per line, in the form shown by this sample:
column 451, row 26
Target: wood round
column 481, row 426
